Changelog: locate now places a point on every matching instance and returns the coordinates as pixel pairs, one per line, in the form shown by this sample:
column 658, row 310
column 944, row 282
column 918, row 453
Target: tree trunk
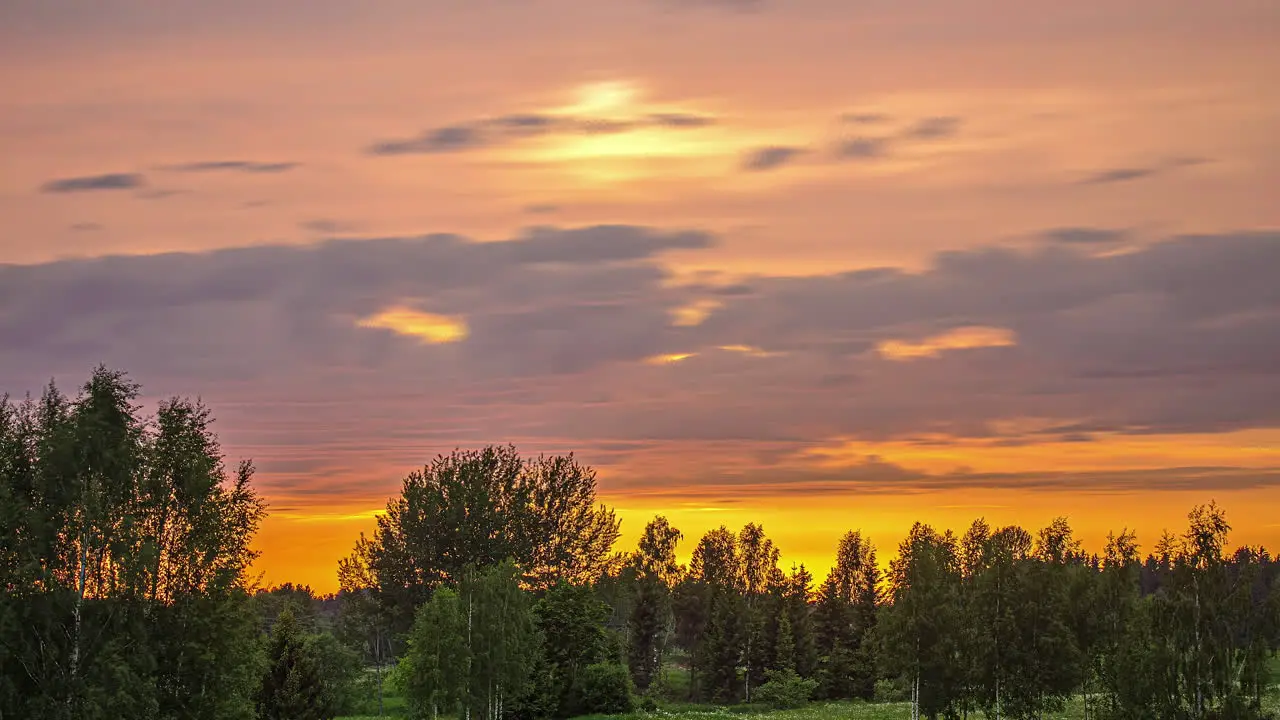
column 75, row 648
column 377, row 664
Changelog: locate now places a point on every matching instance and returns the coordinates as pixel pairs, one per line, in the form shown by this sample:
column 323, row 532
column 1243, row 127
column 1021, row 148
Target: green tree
column 122, row 529
column 502, row 639
column 759, row 578
column 570, row 620
column 292, row 687
column 796, row 598
column 920, row 631
column 651, row 622
column 433, row 669
column 845, row 620
column 479, row 508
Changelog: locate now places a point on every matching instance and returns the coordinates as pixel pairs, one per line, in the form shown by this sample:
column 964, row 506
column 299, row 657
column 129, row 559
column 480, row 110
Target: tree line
column 490, row 588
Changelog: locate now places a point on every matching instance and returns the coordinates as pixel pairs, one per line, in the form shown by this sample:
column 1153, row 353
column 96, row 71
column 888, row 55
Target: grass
column 396, row 707
column 815, row 711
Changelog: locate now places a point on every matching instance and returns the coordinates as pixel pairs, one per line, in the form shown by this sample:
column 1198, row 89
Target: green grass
column 395, row 707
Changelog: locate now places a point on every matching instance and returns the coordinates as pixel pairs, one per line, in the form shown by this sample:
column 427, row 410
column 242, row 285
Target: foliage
column 433, row 671
column 603, row 688
column 293, row 686
column 123, row 560
column 650, row 623
column 477, row 509
column 785, row 689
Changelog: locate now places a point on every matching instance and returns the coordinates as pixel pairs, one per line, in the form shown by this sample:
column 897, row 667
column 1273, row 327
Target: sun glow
column 963, row 338
column 1096, row 452
column 427, row 327
column 669, row 358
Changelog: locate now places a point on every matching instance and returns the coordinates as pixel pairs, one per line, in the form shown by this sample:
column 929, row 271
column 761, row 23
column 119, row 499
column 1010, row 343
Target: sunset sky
column 820, row 264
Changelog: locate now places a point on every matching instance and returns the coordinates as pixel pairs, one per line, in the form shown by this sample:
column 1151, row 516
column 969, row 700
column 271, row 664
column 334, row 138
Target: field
column 395, row 708
column 816, row 711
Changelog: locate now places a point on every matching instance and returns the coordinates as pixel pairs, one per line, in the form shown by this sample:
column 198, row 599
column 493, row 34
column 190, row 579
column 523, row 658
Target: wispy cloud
column 90, row 183
column 243, row 166
column 770, row 158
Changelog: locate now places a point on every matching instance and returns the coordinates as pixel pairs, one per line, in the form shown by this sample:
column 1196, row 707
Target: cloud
column 1126, row 174
column 559, row 339
column 243, row 166
column 933, row 128
column 1084, row 236
column 770, row 158
column 488, row 132
column 445, row 139
column 327, row 226
column 863, row 148
column 865, row 118
column 88, row 183
column 742, row 6
column 84, row 227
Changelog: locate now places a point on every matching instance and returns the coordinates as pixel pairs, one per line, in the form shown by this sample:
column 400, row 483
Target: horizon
column 817, row 265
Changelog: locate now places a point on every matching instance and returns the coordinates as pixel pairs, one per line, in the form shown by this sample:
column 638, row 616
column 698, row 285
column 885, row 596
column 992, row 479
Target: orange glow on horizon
column 306, row 550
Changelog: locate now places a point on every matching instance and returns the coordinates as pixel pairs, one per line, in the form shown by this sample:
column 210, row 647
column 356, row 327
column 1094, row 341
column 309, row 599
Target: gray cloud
column 328, row 226
column 865, row 118
column 88, row 183
column 1126, row 174
column 1181, row 335
column 1085, row 236
column 445, row 139
column 932, row 128
column 863, row 148
column 770, row 158
column 509, row 128
column 243, row 166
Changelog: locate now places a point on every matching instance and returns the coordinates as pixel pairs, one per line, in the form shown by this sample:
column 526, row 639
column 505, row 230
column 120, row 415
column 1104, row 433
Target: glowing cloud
column 669, row 358
column 693, row 315
column 962, row 338
column 427, row 327
column 749, row 350
column 1259, row 448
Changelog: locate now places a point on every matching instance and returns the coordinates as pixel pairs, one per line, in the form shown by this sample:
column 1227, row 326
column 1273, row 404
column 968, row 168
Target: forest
column 492, row 587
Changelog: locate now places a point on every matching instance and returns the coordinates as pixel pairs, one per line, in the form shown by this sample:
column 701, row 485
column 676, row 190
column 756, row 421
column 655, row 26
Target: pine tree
column 292, row 686
column 650, row 622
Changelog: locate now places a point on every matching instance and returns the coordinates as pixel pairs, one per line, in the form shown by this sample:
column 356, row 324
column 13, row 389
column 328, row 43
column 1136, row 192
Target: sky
column 818, row 264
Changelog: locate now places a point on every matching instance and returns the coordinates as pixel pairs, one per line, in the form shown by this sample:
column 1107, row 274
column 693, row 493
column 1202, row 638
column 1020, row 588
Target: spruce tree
column 292, row 687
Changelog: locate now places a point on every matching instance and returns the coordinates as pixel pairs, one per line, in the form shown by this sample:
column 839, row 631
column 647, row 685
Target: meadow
column 817, row 711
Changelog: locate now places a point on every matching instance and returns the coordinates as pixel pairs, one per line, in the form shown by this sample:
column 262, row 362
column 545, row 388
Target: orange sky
column 817, row 264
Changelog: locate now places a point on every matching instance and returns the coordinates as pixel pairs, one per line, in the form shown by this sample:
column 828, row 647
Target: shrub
column 604, row 688
column 785, row 689
column 891, row 690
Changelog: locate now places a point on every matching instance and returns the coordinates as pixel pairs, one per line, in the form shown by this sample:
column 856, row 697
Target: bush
column 891, row 690
column 785, row 689
column 603, row 688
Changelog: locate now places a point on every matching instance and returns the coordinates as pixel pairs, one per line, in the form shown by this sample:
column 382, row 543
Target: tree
column 479, row 508
column 570, row 620
column 759, row 576
column 292, row 688
column 845, row 618
column 433, row 669
column 796, row 596
column 123, row 529
column 502, row 639
column 650, row 622
column 713, row 599
column 920, row 631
